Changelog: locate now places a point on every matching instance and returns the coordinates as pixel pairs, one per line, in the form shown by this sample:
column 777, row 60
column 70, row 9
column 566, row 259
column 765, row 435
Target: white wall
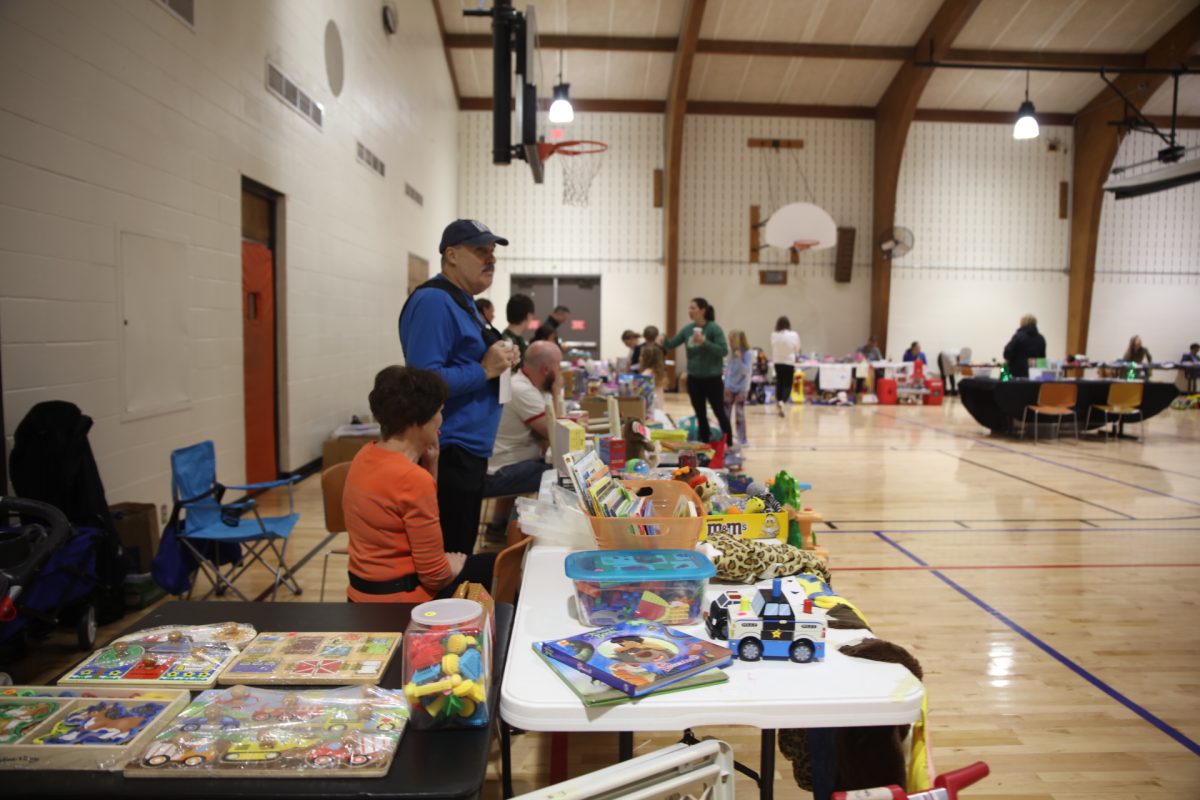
column 618, row 235
column 723, row 178
column 115, row 117
column 1148, row 264
column 989, row 246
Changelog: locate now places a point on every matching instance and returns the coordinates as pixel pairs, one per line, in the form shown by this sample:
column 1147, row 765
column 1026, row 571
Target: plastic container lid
column 638, row 565
column 451, row 611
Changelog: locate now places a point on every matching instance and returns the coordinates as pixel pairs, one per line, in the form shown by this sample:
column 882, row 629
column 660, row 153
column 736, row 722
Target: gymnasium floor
column 1050, row 592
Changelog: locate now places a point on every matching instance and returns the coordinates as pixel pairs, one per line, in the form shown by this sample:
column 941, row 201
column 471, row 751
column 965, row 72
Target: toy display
column 637, row 656
column 304, row 658
column 447, row 664
column 177, row 656
column 945, row 786
column 774, row 623
column 349, row 732
column 665, row 586
column 46, row 727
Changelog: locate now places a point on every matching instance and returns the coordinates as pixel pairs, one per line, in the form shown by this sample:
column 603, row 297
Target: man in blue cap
column 441, row 330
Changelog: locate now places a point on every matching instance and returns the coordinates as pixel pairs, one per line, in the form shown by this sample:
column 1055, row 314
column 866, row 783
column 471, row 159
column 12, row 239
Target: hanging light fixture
column 1027, row 124
column 561, row 111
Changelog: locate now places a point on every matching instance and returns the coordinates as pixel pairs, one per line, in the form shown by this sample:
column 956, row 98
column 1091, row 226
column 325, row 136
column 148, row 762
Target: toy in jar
column 447, row 664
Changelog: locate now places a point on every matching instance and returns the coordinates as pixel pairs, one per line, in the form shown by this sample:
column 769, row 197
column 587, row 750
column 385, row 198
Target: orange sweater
column 391, row 512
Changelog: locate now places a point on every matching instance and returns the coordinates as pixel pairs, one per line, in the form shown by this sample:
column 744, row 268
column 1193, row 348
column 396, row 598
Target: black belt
column 408, row 583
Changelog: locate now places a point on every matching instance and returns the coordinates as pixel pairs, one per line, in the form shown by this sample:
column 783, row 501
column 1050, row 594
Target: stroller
column 47, row 574
column 760, row 378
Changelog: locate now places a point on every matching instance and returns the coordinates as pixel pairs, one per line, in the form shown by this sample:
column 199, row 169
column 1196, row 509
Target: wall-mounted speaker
column 844, row 261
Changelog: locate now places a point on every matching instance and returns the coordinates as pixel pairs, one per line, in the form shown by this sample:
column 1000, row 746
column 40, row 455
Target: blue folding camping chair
column 208, row 527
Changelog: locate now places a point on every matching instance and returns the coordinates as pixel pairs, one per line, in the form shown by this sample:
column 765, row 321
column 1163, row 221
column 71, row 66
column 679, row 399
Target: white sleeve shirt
column 785, row 346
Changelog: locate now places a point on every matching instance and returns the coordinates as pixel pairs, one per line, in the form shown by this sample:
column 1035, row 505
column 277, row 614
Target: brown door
column 258, row 354
column 418, row 272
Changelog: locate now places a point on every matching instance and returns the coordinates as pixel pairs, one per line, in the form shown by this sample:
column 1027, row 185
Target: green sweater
column 704, row 360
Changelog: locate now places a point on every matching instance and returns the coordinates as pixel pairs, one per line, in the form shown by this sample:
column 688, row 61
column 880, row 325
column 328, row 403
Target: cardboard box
column 137, row 526
column 597, row 407
column 342, row 449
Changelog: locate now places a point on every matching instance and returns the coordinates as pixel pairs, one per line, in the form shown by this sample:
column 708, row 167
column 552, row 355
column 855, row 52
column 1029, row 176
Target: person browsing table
column 390, row 501
column 440, row 330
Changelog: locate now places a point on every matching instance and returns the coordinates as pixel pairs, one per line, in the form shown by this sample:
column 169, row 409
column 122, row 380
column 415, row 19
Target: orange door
column 258, row 360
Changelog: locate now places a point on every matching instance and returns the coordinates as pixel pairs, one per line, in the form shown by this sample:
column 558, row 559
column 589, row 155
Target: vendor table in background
column 837, row 693
column 428, row 764
column 999, row 404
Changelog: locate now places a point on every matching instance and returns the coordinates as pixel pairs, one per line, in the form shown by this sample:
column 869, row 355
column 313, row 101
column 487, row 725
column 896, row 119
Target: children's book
column 594, row 693
column 638, row 656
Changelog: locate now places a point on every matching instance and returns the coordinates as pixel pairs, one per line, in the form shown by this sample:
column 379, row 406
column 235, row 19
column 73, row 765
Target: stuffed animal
column 747, row 560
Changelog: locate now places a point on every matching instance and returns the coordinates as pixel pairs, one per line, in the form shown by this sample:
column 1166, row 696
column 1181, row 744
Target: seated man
column 390, row 499
column 517, row 461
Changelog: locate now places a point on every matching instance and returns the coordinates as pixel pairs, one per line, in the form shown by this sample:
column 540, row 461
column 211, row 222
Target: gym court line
column 876, row 531
column 989, row 567
column 1033, row 639
column 1050, row 461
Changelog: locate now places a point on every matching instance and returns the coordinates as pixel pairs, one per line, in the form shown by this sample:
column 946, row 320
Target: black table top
column 428, row 764
column 997, row 404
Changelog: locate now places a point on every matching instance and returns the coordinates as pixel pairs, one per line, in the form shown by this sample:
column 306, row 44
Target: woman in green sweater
column 706, row 351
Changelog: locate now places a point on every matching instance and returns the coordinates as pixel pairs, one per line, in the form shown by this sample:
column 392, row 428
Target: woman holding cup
column 706, row 350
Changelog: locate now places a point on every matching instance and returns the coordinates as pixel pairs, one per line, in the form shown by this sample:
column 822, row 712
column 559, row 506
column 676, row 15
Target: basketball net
column 580, row 166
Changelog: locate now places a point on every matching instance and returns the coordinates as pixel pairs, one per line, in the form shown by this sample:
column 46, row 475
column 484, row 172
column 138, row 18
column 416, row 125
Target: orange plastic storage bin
column 885, row 390
column 659, row 532
column 937, row 390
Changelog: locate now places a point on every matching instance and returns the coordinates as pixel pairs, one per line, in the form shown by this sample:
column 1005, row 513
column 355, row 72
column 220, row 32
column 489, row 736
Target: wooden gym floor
column 1050, row 592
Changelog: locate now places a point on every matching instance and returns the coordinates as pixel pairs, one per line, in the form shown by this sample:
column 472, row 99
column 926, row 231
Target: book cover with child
column 638, row 656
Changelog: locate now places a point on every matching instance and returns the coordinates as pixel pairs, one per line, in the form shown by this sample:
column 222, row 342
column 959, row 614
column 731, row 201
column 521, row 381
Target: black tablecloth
column 996, row 405
column 428, row 764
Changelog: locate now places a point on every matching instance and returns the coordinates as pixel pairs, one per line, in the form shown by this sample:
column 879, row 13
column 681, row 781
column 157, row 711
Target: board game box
column 179, row 656
column 239, row 732
column 301, row 658
column 51, row 727
column 637, row 656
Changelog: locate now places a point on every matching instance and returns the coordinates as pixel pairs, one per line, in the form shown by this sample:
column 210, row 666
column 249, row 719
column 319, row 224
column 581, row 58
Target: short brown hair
column 406, row 396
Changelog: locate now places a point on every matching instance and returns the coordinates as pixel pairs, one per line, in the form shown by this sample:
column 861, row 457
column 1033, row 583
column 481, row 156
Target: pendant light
column 561, row 111
column 1027, row 125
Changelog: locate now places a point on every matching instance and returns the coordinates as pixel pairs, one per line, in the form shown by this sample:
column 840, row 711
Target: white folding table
column 838, row 692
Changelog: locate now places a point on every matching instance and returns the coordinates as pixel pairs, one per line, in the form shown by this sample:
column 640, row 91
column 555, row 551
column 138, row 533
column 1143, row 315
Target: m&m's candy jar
column 447, row 664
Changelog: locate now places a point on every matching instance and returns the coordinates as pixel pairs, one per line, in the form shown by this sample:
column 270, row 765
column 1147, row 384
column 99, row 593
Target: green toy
column 787, row 490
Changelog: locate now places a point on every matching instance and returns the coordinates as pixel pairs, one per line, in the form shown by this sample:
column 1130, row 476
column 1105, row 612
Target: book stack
column 634, row 658
column 602, row 495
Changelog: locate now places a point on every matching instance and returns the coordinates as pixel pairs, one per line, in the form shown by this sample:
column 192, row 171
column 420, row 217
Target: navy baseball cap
column 468, row 231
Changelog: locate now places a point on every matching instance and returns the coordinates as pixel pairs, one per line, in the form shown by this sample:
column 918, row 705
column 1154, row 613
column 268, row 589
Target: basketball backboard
column 804, row 226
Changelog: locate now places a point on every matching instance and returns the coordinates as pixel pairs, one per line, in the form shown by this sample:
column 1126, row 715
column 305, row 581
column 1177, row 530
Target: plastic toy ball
column 637, row 466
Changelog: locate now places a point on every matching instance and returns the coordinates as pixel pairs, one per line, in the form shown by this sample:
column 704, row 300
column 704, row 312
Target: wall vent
column 286, row 90
column 373, row 161
column 414, row 194
column 184, row 10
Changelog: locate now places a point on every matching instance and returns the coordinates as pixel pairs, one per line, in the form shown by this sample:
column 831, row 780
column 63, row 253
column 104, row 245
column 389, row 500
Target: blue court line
column 945, row 432
column 1163, row 726
column 1009, row 530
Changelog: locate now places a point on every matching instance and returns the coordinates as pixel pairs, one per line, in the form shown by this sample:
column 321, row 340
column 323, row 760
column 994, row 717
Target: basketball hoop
column 578, row 173
column 805, row 244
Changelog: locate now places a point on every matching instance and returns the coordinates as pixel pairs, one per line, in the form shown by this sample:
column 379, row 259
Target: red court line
column 1012, row 566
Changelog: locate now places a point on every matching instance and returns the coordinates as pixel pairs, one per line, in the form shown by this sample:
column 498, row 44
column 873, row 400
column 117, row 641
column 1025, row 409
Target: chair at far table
column 333, row 482
column 1053, row 400
column 1123, row 399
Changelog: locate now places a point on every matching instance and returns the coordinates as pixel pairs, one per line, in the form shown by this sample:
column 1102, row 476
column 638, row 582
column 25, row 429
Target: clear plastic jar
column 447, row 664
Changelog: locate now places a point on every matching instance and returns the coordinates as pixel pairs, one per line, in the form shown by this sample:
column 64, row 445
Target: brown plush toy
column 868, row 756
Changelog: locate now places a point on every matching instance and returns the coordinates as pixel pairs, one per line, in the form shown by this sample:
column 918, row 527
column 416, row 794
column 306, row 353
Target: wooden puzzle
column 178, row 656
column 350, row 732
column 297, row 658
column 47, row 727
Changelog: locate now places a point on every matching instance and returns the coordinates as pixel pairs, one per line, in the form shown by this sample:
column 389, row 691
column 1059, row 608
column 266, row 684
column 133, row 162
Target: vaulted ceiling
column 825, row 57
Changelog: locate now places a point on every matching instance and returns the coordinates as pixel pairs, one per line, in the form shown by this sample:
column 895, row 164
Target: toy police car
column 777, row 622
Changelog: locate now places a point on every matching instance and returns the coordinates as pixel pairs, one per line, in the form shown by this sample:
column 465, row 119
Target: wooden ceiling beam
column 857, row 52
column 631, row 44
column 441, row 23
column 1096, row 143
column 893, row 116
column 677, row 106
column 1036, row 58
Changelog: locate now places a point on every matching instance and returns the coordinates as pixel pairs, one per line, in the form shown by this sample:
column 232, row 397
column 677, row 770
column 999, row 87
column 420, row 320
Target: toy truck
column 776, row 622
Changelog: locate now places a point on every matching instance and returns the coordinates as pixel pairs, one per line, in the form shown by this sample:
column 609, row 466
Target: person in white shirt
column 785, row 346
column 518, row 461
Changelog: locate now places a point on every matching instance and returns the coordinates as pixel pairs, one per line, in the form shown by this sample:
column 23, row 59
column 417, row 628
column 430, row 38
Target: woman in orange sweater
column 390, row 500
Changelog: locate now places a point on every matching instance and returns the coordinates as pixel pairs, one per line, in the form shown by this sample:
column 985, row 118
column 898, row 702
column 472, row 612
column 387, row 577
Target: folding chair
column 333, row 483
column 1123, row 399
column 208, row 525
column 1053, row 400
